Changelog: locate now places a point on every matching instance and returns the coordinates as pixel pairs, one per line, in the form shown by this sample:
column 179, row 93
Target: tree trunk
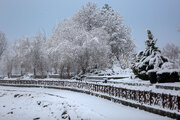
column 68, row 71
column 118, row 58
column 21, row 73
column 21, row 70
column 83, row 70
column 61, row 71
column 42, row 73
column 8, row 75
column 78, row 70
column 55, row 70
column 127, row 57
column 34, row 72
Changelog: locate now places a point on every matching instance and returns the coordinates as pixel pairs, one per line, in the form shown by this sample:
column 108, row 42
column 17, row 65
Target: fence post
column 104, row 89
column 163, row 102
column 144, row 95
column 150, row 98
column 135, row 98
column 126, row 91
column 112, row 89
column 178, row 103
column 109, row 90
column 116, row 92
column 170, row 102
column 139, row 96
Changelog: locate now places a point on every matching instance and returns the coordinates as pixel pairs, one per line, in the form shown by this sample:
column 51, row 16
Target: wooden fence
column 162, row 100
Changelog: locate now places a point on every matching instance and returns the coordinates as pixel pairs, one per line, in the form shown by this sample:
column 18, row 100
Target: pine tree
column 150, row 59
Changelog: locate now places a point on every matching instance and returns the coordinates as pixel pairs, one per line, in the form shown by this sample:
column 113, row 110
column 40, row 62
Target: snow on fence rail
column 165, row 101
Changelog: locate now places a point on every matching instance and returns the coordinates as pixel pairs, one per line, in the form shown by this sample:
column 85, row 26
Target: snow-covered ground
column 51, row 104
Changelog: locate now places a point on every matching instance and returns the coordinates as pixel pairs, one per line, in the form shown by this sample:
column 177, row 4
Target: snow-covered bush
column 168, row 75
column 152, row 74
column 150, row 59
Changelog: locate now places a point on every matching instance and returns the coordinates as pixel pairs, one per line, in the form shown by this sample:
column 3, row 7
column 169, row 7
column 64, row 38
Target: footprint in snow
column 38, row 118
column 65, row 115
column 10, row 112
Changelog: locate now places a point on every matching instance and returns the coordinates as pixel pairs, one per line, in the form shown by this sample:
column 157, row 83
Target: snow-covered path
column 45, row 104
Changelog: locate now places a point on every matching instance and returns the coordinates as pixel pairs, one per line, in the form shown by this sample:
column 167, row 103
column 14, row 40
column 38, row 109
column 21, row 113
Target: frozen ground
column 51, row 104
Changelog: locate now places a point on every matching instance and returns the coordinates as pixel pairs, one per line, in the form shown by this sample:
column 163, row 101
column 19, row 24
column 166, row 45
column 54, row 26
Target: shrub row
column 164, row 76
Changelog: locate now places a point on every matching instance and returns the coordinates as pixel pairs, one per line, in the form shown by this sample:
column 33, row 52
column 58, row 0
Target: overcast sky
column 26, row 17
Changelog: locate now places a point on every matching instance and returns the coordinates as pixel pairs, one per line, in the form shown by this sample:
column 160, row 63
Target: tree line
column 93, row 38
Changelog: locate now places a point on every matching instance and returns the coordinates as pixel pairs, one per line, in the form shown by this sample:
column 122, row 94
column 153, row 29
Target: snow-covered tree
column 89, row 35
column 86, row 17
column 7, row 62
column 120, row 38
column 92, row 55
column 90, row 17
column 22, row 53
column 149, row 59
column 62, row 42
column 39, row 55
column 3, row 43
column 172, row 51
column 71, row 42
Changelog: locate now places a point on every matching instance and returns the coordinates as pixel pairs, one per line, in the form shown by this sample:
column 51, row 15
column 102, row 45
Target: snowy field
column 51, row 104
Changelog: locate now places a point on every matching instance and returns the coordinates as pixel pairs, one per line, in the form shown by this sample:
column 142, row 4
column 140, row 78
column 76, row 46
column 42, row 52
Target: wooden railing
column 162, row 100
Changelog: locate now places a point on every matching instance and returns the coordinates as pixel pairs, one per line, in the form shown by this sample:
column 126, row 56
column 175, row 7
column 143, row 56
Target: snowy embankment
column 145, row 85
column 40, row 103
column 125, row 79
column 138, row 84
